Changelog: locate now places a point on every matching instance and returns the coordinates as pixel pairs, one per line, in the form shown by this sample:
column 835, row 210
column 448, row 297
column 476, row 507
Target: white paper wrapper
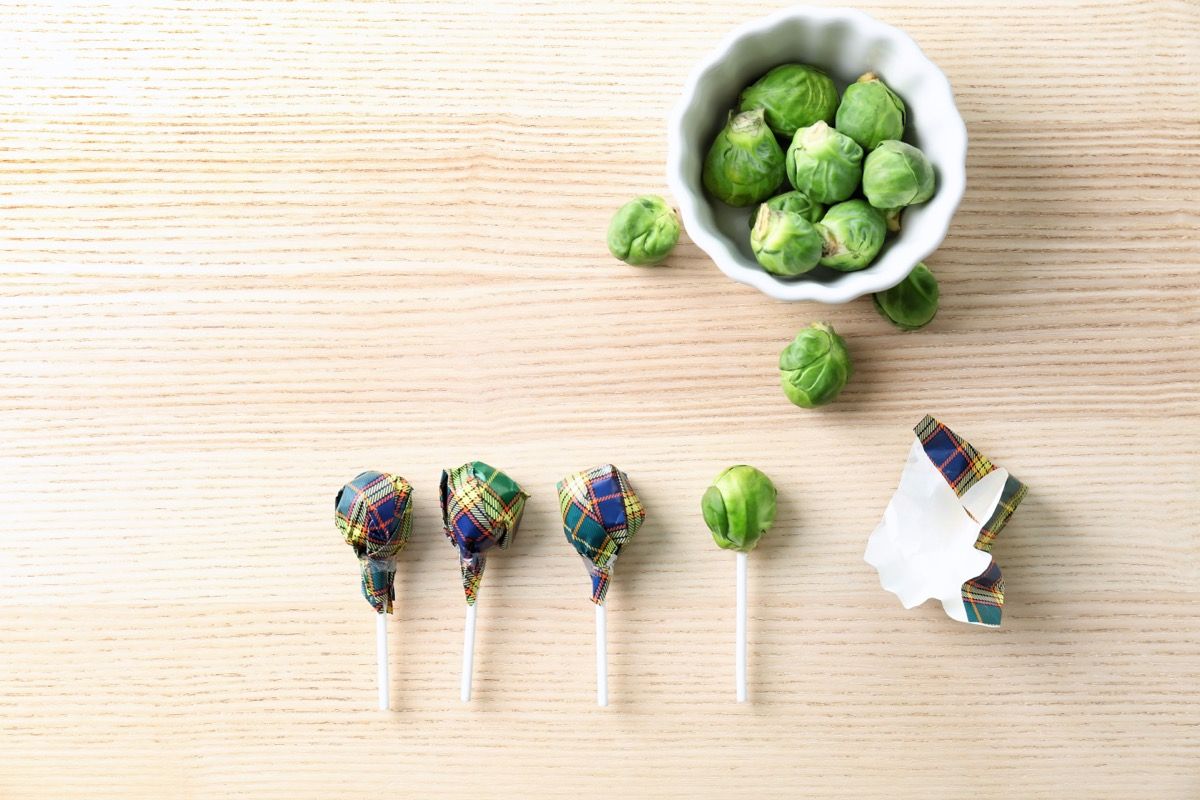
column 934, row 542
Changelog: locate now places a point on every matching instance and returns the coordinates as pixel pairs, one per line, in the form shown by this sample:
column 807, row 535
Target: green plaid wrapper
column 600, row 513
column 374, row 514
column 963, row 466
column 481, row 509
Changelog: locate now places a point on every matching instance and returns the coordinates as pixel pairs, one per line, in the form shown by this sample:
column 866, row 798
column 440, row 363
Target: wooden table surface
column 250, row 249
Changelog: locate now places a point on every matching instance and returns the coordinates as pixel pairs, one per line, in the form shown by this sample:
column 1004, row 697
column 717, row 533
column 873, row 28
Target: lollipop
column 600, row 513
column 738, row 508
column 375, row 517
column 481, row 509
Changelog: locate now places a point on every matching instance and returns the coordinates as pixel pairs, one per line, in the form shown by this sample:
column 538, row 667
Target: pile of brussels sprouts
column 808, row 212
column 830, row 199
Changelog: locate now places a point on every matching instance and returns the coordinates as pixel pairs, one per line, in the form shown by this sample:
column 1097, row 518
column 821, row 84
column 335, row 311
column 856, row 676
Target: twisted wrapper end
column 472, row 574
column 601, row 576
column 378, row 583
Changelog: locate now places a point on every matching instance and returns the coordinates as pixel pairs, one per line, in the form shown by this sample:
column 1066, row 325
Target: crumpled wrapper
column 937, row 533
column 600, row 513
column 481, row 509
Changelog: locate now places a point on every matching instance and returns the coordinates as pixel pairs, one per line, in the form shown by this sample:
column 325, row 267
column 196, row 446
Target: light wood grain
column 249, row 249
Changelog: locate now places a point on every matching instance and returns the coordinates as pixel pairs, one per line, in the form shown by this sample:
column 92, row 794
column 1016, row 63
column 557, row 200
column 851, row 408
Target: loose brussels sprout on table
column 824, row 164
column 784, row 243
column 896, row 174
column 870, row 112
column 643, row 231
column 745, row 163
column 795, row 202
column 793, row 96
column 739, row 507
column 912, row 303
column 854, row 232
column 815, row 366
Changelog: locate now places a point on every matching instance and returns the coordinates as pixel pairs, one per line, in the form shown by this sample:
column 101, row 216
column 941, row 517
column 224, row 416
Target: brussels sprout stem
column 741, row 627
column 891, row 216
column 761, row 221
column 829, row 244
column 749, row 122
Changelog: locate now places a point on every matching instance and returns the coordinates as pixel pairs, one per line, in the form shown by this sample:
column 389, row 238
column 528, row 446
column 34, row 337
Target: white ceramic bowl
column 846, row 43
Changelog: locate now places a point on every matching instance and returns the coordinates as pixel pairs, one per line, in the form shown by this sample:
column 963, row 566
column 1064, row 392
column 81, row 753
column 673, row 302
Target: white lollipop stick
column 381, row 660
column 741, row 627
column 468, row 662
column 601, row 655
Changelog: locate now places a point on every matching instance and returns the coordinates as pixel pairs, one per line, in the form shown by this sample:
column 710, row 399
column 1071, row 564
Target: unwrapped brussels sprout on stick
column 912, row 303
column 814, row 367
column 784, row 243
column 896, row 174
column 745, row 164
column 870, row 112
column 854, row 232
column 643, row 231
column 793, row 96
column 738, row 509
column 824, row 164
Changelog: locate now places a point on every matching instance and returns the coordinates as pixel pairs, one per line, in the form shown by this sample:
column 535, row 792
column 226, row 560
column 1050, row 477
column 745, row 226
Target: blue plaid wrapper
column 374, row 514
column 600, row 513
column 481, row 509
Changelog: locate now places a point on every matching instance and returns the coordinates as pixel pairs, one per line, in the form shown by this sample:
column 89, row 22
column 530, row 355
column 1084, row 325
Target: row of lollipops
column 481, row 510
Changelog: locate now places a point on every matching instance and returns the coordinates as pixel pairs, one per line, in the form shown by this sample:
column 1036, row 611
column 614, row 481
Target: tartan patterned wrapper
column 374, row 514
column 600, row 513
column 481, row 509
column 963, row 466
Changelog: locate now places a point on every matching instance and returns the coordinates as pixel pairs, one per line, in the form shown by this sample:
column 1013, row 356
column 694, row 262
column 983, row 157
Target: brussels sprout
column 785, row 243
column 897, row 174
column 854, row 232
column 794, row 96
column 815, row 366
column 912, row 303
column 739, row 507
column 643, row 231
column 870, row 112
column 824, row 164
column 795, row 202
column 745, row 163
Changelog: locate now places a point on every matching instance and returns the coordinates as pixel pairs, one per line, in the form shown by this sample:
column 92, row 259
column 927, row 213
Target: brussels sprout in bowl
column 846, row 44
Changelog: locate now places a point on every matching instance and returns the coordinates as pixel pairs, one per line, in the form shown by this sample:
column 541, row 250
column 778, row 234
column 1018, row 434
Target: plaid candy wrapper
column 600, row 513
column 481, row 509
column 374, row 514
column 936, row 536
